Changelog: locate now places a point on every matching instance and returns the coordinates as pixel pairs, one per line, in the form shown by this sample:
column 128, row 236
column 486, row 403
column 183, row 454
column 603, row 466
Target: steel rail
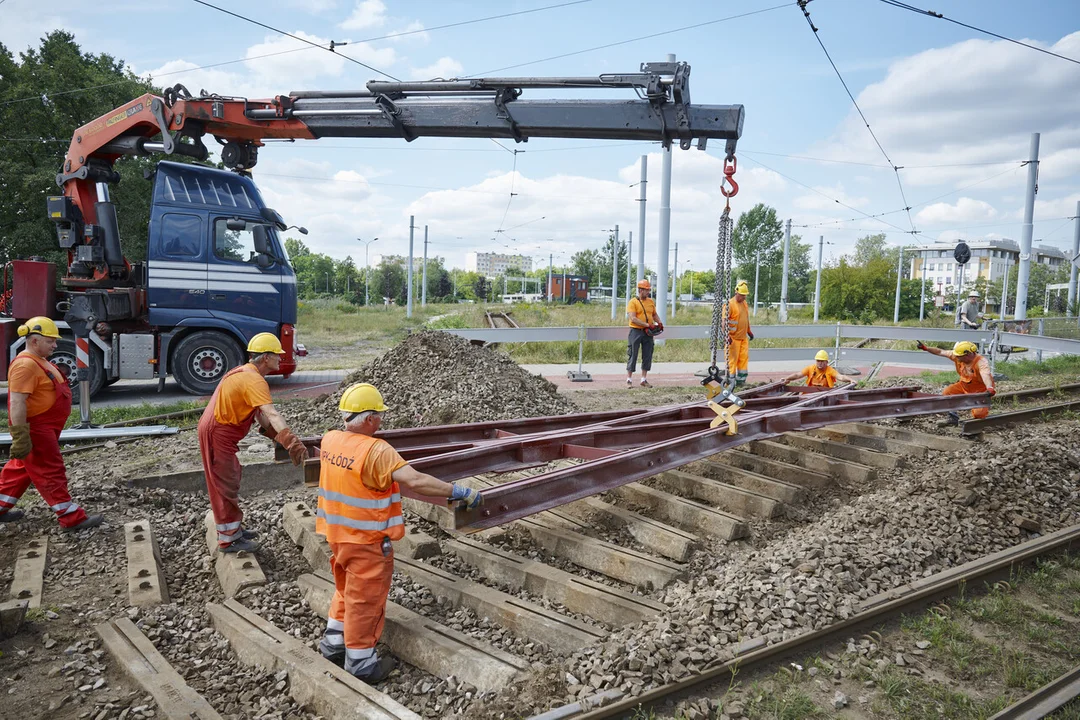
column 961, row 579
column 1037, row 392
column 1047, row 699
column 974, row 427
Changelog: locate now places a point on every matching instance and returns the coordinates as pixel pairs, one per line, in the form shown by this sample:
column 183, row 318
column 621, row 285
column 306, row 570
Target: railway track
column 499, row 320
column 546, row 586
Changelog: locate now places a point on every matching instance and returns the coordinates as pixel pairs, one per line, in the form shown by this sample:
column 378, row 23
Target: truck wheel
column 202, row 358
column 64, row 359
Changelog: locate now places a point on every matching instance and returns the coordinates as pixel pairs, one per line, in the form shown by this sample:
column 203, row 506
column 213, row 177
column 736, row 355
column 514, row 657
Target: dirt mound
column 434, row 378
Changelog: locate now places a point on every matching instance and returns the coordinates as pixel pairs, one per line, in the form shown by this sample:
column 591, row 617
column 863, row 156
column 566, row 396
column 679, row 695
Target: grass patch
column 912, row 698
column 105, row 415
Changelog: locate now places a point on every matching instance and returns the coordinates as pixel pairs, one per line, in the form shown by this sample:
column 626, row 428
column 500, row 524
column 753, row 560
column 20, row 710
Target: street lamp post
column 367, row 271
column 327, row 281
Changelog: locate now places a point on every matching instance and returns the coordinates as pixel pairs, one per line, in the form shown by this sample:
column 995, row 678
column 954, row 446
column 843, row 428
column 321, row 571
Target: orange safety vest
column 969, row 374
column 349, row 511
column 738, row 320
column 820, row 378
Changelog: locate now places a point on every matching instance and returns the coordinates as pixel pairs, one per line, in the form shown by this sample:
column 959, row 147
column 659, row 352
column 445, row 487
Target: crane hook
column 730, row 165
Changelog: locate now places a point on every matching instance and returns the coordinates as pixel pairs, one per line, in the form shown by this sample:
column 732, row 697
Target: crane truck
column 216, row 271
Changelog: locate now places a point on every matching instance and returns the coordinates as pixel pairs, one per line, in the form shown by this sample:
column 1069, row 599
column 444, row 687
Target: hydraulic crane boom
column 177, row 122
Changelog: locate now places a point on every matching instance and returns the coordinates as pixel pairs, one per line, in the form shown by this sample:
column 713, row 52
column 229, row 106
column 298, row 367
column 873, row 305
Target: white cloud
column 367, row 14
column 965, row 210
column 444, row 67
column 827, row 198
column 413, row 32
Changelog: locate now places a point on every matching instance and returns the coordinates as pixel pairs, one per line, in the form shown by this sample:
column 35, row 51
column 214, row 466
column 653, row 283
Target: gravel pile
column 947, row 510
column 434, row 378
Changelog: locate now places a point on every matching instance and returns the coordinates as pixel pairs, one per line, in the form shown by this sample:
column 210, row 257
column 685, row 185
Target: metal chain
column 719, row 338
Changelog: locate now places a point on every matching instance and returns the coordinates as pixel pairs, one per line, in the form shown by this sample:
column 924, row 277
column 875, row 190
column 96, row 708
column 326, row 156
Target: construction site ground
column 842, row 540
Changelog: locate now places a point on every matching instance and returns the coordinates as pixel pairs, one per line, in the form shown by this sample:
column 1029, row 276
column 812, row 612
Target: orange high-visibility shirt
column 27, row 375
column 738, row 320
column 820, row 378
column 643, row 310
column 359, row 502
column 971, row 375
column 240, row 394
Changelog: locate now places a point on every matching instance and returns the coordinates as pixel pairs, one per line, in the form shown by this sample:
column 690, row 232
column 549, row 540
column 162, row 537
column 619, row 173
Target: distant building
column 402, row 260
column 571, row 288
column 492, row 264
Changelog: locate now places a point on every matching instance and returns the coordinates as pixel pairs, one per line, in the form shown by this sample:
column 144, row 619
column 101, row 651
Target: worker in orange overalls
column 643, row 320
column 241, row 398
column 820, row 374
column 974, row 372
column 739, row 334
column 39, row 403
column 360, row 514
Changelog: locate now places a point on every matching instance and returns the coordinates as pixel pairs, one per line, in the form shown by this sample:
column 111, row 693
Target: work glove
column 20, row 441
column 468, row 497
column 750, row 335
column 992, row 392
column 921, row 345
column 289, row 441
column 267, row 432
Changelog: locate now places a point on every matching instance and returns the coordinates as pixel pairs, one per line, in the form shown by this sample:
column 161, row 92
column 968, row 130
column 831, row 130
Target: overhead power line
column 939, row 16
column 896, row 170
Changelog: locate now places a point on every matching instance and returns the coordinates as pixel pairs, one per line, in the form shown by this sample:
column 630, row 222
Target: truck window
column 233, row 245
column 181, row 234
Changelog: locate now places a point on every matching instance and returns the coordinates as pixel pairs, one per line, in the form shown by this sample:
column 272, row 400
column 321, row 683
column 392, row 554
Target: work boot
column 335, row 655
column 381, row 671
column 11, row 515
column 646, row 384
column 249, row 534
column 953, row 420
column 91, row 521
column 241, row 545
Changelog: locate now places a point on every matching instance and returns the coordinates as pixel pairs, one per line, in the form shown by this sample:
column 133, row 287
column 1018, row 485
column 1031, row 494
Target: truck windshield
column 282, row 252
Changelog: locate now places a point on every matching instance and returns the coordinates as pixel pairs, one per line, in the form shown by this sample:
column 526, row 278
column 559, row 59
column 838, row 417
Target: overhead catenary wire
column 939, row 16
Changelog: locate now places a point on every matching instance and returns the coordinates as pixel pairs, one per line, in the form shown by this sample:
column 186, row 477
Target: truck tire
column 64, row 359
column 202, row 358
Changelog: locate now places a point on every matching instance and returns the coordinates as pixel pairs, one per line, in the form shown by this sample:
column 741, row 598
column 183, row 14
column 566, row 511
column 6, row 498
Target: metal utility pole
column 899, row 275
column 630, row 264
column 757, row 277
column 922, row 285
column 327, row 281
column 1005, row 288
column 551, row 257
column 675, row 281
column 817, row 283
column 408, row 291
column 783, row 278
column 423, row 274
column 367, row 271
column 1072, row 261
column 959, row 291
column 641, row 217
column 1024, row 270
column 664, row 238
column 615, row 272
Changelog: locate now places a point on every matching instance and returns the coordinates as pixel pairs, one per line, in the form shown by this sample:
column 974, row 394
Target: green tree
column 587, row 263
column 758, row 230
column 481, row 287
column 36, row 134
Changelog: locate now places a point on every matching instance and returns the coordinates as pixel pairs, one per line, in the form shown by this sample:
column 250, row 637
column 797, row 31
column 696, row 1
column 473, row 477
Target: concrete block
column 599, row 601
column 843, row 451
column 773, row 468
column 12, row 614
column 839, row 469
column 693, row 516
column 235, row 571
column 29, row 576
column 146, row 579
column 660, row 538
column 426, row 644
column 778, row 490
column 941, row 443
column 141, row 662
column 523, row 618
column 871, row 442
column 313, row 680
column 731, row 499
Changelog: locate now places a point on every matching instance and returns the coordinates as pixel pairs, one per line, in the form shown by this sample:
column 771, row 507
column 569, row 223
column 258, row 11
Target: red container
column 35, row 289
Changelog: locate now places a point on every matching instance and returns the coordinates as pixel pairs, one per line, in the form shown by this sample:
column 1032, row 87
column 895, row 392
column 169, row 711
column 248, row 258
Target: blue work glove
column 468, row 497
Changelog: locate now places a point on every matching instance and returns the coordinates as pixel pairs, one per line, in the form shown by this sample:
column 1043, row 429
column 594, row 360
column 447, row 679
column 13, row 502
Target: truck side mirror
column 236, row 224
column 262, row 241
column 263, row 261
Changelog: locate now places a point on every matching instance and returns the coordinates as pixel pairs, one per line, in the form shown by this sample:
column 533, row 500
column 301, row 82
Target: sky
column 953, row 108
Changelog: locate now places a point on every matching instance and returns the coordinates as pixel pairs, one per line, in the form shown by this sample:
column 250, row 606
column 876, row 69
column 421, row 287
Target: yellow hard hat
column 965, row 347
column 822, row 355
column 742, row 289
column 644, row 285
column 361, row 398
column 264, row 343
column 39, row 326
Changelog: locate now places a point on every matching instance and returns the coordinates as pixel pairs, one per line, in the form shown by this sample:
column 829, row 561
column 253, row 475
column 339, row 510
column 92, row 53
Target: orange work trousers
column 739, row 358
column 362, row 577
column 959, row 388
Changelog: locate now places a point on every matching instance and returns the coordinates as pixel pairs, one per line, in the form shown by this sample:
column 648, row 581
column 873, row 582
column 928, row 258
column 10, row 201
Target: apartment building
column 492, row 264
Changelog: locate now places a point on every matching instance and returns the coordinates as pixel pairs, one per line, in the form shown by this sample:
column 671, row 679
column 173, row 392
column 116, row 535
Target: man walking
column 643, row 320
column 739, row 335
column 359, row 513
column 39, row 403
column 974, row 372
column 970, row 317
column 820, row 374
column 241, row 398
